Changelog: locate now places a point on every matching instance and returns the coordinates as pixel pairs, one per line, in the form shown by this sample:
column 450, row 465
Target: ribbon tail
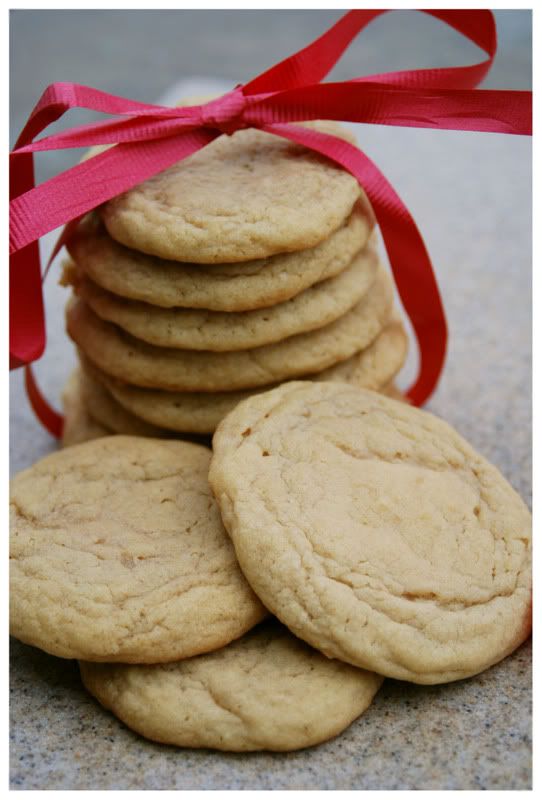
column 26, row 315
column 47, row 415
column 484, row 110
column 63, row 239
column 27, row 321
column 409, row 260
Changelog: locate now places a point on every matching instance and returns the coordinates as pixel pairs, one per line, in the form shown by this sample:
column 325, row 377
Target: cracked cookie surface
column 375, row 531
column 133, row 361
column 219, row 287
column 246, row 196
column 118, row 553
column 266, row 691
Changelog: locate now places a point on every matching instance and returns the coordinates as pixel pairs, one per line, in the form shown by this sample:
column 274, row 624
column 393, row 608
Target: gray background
column 470, row 195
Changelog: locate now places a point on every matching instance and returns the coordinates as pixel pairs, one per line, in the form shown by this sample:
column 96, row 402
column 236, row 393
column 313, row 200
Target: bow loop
column 148, row 139
column 226, row 112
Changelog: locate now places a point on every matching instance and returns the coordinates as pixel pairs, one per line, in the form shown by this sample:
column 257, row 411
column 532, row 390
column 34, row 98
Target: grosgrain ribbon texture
column 150, row 138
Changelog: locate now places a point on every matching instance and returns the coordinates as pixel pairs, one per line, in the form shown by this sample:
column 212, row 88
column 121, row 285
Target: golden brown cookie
column 377, row 364
column 374, row 531
column 118, row 553
column 246, row 196
column 391, row 390
column 112, row 417
column 107, row 412
column 266, row 691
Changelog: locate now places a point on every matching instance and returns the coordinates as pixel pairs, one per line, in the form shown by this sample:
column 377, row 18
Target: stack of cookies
column 254, row 597
column 248, row 264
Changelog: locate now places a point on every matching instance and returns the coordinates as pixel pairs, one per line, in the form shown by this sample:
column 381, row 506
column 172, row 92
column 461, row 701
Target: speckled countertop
column 470, row 194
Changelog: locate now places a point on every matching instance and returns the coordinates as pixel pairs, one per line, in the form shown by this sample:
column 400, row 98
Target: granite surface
column 470, row 195
column 472, row 734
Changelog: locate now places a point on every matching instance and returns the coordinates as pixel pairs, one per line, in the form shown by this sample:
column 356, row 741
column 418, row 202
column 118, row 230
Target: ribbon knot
column 225, row 113
column 151, row 138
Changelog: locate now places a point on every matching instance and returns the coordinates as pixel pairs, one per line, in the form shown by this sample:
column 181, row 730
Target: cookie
column 118, row 553
column 200, row 412
column 266, row 691
column 374, row 531
column 133, row 361
column 190, row 329
column 246, row 196
column 377, row 364
column 219, row 287
column 391, row 390
column 101, row 406
column 78, row 424
column 112, row 417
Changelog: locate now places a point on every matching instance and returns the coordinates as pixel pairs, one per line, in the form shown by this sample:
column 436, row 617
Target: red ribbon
column 150, row 138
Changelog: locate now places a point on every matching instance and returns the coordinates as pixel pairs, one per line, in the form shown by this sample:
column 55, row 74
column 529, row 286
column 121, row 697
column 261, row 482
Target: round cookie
column 200, row 412
column 219, row 331
column 219, row 287
column 118, row 553
column 246, row 196
column 78, row 424
column 136, row 362
column 374, row 531
column 266, row 691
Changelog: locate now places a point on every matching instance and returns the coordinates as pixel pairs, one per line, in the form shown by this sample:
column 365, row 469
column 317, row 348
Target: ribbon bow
column 151, row 138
